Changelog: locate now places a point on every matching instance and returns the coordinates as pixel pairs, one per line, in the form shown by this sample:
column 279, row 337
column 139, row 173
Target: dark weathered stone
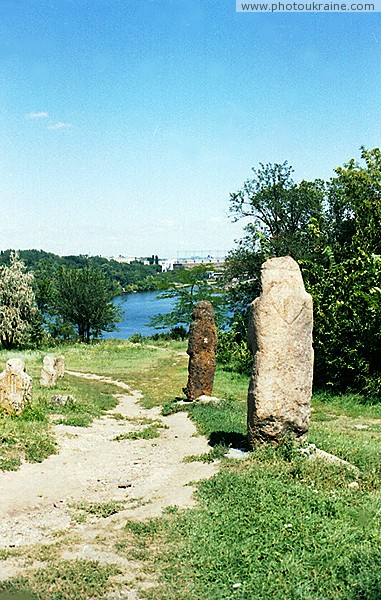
column 15, row 387
column 280, row 338
column 202, row 352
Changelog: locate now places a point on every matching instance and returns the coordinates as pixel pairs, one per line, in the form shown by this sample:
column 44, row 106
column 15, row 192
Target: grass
column 148, row 433
column 158, row 371
column 274, row 525
column 278, row 531
column 97, row 509
column 30, row 436
column 63, row 580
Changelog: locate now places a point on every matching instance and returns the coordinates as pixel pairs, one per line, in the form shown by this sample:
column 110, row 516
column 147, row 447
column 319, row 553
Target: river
column 138, row 309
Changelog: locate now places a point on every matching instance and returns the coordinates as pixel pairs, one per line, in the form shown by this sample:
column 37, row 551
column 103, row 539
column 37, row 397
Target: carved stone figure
column 202, row 352
column 59, row 365
column 49, row 372
column 15, row 387
column 280, row 338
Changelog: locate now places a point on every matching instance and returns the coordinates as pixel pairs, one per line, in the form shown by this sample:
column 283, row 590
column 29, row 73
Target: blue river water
column 138, row 309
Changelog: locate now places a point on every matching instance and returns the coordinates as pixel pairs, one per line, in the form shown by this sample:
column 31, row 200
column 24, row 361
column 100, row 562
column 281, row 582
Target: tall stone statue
column 15, row 387
column 202, row 352
column 280, row 338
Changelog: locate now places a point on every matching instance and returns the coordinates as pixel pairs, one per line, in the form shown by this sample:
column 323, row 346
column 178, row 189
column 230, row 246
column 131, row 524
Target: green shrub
column 232, row 352
column 137, row 338
column 347, row 325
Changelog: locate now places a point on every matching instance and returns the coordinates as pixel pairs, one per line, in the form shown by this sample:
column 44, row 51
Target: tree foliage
column 129, row 276
column 333, row 230
column 190, row 287
column 83, row 298
column 279, row 210
column 19, row 317
column 346, row 287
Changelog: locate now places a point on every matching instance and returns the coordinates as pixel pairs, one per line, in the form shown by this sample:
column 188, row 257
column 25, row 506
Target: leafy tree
column 190, row 286
column 20, row 323
column 280, row 211
column 283, row 218
column 346, row 291
column 347, row 324
column 83, row 298
column 334, row 232
column 354, row 206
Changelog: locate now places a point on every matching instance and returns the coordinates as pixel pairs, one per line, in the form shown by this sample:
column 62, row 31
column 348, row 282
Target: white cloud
column 37, row 115
column 59, row 125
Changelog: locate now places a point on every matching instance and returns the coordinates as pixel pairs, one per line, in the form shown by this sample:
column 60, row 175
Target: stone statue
column 202, row 352
column 280, row 338
column 49, row 374
column 59, row 365
column 15, row 387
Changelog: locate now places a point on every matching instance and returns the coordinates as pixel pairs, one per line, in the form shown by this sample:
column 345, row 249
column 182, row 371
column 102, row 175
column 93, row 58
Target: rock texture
column 15, row 387
column 59, row 365
column 49, row 374
column 62, row 400
column 202, row 352
column 280, row 338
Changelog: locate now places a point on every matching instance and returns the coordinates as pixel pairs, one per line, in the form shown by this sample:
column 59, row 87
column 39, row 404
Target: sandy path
column 92, row 467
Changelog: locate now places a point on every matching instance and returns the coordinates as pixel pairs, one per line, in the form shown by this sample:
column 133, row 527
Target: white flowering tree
column 18, row 309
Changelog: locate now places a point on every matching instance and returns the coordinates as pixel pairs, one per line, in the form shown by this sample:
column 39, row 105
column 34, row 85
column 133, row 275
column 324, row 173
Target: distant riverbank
column 138, row 309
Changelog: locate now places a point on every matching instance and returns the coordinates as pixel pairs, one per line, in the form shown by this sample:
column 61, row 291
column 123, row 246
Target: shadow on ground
column 231, row 439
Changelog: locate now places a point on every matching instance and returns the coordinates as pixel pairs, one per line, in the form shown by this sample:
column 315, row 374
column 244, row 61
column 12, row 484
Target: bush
column 178, row 333
column 347, row 325
column 233, row 353
column 137, row 338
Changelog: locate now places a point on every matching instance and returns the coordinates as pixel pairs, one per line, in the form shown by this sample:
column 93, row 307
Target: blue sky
column 126, row 124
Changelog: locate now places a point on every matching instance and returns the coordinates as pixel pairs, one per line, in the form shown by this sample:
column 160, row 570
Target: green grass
column 148, row 433
column 159, row 372
column 273, row 526
column 29, row 437
column 97, row 509
column 280, row 528
column 64, row 580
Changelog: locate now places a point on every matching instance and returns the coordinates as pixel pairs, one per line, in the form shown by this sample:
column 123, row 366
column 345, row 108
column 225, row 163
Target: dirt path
column 147, row 475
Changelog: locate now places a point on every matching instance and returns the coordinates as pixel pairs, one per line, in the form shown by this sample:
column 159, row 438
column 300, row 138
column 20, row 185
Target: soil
column 39, row 502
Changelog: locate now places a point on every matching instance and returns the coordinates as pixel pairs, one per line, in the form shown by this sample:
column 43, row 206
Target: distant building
column 174, row 264
column 189, row 263
column 129, row 259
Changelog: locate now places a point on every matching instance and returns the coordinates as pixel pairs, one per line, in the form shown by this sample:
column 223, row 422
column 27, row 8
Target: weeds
column 148, row 433
column 63, row 580
column 97, row 509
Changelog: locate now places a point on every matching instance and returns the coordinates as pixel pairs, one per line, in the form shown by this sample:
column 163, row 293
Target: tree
column 346, row 291
column 19, row 316
column 283, row 218
column 354, row 206
column 280, row 212
column 84, row 299
column 334, row 231
column 191, row 286
column 347, row 324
